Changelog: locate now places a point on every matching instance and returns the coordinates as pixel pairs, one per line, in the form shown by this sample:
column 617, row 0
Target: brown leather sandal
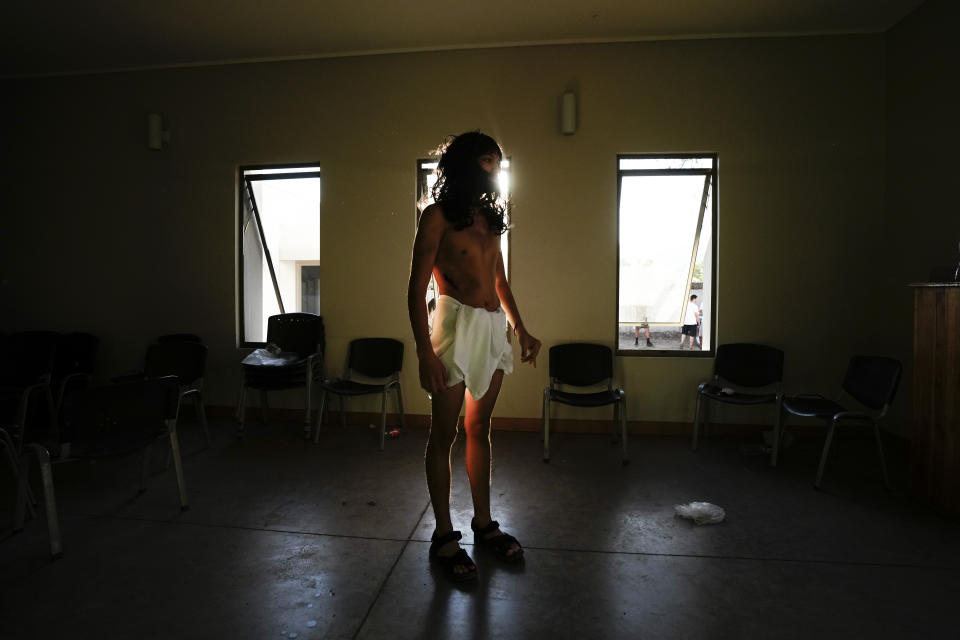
column 447, row 563
column 500, row 544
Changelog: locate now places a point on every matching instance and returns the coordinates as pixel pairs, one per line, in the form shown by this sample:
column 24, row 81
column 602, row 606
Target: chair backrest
column 581, row 364
column 872, row 380
column 76, row 353
column 300, row 333
column 375, row 357
column 118, row 418
column 748, row 364
column 185, row 360
column 27, row 357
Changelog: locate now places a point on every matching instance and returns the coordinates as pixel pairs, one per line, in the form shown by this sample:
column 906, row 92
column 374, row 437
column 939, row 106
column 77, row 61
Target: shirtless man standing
column 458, row 242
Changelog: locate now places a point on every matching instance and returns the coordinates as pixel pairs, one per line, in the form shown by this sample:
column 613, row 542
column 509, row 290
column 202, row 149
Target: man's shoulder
column 433, row 214
column 432, row 223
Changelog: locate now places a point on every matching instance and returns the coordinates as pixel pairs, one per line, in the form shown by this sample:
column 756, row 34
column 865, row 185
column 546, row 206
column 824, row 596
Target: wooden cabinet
column 935, row 436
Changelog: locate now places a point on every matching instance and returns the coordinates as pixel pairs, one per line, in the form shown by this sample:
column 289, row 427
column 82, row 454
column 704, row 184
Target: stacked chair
column 294, row 361
column 73, row 364
column 27, row 363
column 103, row 422
column 184, row 356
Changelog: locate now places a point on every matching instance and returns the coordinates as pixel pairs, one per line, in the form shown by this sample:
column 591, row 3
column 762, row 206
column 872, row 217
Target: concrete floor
column 330, row 541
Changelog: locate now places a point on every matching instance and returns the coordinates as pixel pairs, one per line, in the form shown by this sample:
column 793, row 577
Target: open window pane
column 666, row 254
column 665, row 162
column 280, row 245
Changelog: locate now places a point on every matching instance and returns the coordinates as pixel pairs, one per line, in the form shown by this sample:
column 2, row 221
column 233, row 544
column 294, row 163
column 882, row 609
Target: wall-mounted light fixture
column 568, row 113
column 157, row 136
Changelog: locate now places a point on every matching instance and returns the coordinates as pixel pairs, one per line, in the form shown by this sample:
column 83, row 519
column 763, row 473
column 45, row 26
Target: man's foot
column 505, row 546
column 649, row 344
column 446, row 553
column 636, row 341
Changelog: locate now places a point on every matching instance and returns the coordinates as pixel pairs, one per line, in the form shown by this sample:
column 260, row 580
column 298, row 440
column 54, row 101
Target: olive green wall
column 923, row 67
column 102, row 234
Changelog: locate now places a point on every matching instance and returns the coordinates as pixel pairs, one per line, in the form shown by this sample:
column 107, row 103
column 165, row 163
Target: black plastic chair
column 183, row 356
column 581, row 364
column 73, row 365
column 105, row 422
column 374, row 359
column 27, row 361
column 299, row 337
column 870, row 380
column 743, row 365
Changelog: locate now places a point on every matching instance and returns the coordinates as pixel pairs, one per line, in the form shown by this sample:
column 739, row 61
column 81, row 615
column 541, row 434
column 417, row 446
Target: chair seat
column 714, row 392
column 597, row 399
column 272, row 376
column 812, row 406
column 351, row 388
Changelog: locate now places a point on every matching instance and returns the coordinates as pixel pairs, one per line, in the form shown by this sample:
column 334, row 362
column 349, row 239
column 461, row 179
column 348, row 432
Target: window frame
column 311, row 170
column 714, row 219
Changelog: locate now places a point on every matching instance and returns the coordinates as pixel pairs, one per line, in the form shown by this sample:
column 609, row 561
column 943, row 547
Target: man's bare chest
column 473, row 244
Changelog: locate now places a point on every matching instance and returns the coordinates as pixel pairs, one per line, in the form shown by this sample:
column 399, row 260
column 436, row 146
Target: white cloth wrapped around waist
column 471, row 342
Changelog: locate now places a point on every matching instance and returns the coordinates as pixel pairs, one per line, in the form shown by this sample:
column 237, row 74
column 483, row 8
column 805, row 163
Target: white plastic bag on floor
column 700, row 512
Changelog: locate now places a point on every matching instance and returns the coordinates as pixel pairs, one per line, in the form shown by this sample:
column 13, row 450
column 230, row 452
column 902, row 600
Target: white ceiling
column 66, row 36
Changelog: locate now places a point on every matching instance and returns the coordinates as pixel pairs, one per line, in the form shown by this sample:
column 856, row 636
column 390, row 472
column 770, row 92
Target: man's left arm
column 529, row 346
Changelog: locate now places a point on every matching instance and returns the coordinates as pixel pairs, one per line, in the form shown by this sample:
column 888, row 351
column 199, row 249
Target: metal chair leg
column 202, row 416
column 323, row 405
column 383, row 416
column 324, row 415
column 777, row 431
column 883, row 459
column 403, row 420
column 623, row 427
column 696, row 421
column 306, row 417
column 615, row 424
column 546, row 425
column 49, row 500
column 823, row 456
column 705, row 419
column 177, row 464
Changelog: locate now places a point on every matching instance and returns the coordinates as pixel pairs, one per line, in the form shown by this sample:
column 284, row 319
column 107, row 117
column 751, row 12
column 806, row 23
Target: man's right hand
column 433, row 375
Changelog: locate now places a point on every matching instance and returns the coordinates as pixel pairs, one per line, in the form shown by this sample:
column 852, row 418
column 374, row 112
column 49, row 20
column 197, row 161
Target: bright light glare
column 658, row 224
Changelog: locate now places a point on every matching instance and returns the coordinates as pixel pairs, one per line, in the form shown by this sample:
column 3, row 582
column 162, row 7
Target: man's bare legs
column 477, row 454
column 476, row 423
column 445, row 414
column 443, row 433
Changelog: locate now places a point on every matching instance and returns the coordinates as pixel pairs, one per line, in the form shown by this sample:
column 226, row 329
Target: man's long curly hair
column 463, row 189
